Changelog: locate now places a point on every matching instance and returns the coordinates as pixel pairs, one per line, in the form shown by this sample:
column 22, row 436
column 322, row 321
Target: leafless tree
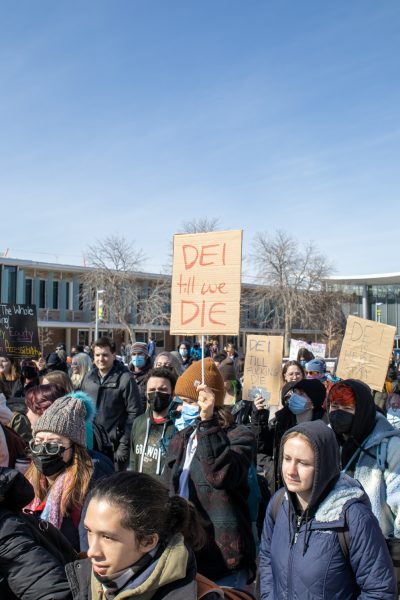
column 45, row 338
column 200, row 225
column 325, row 313
column 129, row 299
column 289, row 273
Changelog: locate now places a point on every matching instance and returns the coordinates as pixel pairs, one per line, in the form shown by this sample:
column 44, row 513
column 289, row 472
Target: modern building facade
column 375, row 297
column 64, row 316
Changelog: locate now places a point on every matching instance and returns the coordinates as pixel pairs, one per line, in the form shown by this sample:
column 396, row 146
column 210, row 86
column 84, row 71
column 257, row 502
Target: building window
column 56, row 286
column 12, row 284
column 28, row 291
column 81, row 296
column 42, row 293
column 68, row 299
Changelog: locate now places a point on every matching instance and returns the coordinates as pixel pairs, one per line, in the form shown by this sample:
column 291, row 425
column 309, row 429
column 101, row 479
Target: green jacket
column 149, row 443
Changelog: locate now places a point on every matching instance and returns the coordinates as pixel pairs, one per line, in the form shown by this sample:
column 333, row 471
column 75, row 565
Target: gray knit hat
column 139, row 347
column 67, row 416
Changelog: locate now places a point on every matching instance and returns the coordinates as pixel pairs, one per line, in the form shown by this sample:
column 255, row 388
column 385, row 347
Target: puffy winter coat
column 117, row 402
column 27, row 570
column 314, row 566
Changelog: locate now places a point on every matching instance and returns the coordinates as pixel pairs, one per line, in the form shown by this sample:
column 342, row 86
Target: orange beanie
column 212, row 377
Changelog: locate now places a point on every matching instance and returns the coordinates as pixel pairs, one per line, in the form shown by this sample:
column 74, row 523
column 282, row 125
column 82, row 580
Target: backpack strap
column 381, row 454
column 344, row 538
column 277, row 503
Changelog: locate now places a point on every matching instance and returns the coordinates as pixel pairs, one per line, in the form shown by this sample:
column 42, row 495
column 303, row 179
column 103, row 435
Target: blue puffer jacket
column 314, row 567
column 301, row 557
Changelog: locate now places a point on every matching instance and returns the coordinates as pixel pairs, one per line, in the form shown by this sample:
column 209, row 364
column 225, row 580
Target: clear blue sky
column 130, row 116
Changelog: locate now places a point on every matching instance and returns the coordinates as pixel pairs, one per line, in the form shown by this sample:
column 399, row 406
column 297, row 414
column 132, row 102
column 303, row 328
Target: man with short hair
column 116, row 397
column 152, row 431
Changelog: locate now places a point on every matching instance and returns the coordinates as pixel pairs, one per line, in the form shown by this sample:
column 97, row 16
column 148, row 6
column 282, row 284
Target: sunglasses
column 50, row 448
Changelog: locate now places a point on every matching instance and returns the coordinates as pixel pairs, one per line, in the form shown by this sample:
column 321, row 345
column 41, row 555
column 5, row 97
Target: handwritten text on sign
column 18, row 331
column 206, row 282
column 366, row 350
column 263, row 365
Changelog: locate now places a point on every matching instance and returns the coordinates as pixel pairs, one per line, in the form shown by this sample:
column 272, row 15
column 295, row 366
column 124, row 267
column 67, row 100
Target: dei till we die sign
column 206, row 283
column 366, row 350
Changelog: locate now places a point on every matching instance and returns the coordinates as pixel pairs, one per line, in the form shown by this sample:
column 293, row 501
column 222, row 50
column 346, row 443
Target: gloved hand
column 121, row 454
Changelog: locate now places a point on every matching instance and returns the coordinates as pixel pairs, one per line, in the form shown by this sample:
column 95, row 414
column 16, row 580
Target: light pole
column 96, row 328
column 378, row 311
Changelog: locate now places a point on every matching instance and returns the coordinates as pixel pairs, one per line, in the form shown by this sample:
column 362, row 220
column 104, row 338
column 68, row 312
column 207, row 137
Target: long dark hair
column 148, row 509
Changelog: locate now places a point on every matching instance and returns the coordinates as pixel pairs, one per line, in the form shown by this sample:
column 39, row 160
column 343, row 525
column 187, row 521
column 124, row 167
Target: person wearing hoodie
column 370, row 449
column 320, row 539
column 28, row 570
column 140, row 543
column 302, row 401
column 152, row 431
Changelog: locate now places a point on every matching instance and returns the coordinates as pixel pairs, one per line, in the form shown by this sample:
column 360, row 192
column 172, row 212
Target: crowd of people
column 148, row 475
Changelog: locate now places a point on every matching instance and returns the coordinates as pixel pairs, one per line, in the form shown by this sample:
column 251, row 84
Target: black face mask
column 49, row 465
column 341, row 421
column 159, row 401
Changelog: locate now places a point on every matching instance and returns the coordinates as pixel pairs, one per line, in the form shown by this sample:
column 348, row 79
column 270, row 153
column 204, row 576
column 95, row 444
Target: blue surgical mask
column 188, row 416
column 303, row 363
column 183, row 352
column 297, row 404
column 138, row 361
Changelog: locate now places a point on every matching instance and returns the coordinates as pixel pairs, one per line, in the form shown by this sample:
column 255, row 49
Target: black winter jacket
column 117, row 402
column 27, row 570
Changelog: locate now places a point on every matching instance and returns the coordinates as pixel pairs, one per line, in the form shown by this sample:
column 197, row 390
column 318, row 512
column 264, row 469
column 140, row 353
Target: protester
column 9, row 373
column 29, row 377
column 298, row 559
column 151, row 347
column 370, row 449
column 140, row 365
column 393, row 408
column 57, row 361
column 58, row 378
column 152, row 431
column 28, row 570
column 304, row 356
column 208, row 463
column 116, row 397
column 146, row 552
column 302, row 401
column 39, row 398
column 184, row 351
column 292, row 371
column 169, row 361
column 62, row 469
column 80, row 365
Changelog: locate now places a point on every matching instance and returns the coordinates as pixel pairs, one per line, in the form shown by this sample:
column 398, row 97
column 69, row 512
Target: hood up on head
column 327, row 458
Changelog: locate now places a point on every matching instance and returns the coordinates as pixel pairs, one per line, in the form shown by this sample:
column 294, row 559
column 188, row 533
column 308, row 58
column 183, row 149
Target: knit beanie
column 68, row 416
column 212, row 377
column 139, row 347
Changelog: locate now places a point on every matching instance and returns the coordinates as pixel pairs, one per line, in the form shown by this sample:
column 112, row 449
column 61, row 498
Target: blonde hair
column 84, row 364
column 76, row 485
column 294, row 434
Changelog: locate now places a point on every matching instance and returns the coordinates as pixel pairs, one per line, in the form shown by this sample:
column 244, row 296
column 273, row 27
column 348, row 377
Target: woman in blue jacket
column 320, row 539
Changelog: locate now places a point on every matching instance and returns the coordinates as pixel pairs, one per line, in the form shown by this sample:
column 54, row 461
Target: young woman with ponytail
column 140, row 542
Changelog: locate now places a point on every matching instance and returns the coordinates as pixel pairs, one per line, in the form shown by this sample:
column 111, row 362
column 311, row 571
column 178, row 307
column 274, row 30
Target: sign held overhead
column 366, row 350
column 206, row 283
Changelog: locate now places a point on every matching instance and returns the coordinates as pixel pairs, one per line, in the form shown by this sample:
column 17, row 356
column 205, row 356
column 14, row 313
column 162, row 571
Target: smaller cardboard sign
column 263, row 366
column 19, row 331
column 206, row 283
column 319, row 350
column 366, row 350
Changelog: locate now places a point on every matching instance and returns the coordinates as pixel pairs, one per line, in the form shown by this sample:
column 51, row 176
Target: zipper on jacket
column 298, row 523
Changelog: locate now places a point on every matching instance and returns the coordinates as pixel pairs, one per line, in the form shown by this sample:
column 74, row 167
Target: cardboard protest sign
column 263, row 366
column 366, row 351
column 18, row 331
column 319, row 350
column 206, row 283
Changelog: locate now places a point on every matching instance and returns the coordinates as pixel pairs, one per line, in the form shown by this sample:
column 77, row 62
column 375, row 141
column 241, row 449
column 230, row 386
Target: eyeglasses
column 50, row 448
